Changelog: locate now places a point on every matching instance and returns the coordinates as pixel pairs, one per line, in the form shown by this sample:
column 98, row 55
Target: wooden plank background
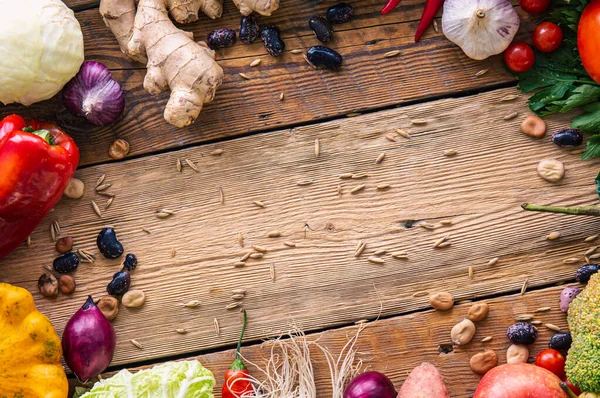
column 480, row 188
column 431, row 68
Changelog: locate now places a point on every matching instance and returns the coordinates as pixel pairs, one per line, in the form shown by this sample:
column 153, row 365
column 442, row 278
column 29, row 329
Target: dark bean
column 522, row 333
column 130, row 262
column 108, row 244
column 66, row 263
column 561, row 342
column 119, row 284
column 568, row 137
column 584, row 273
column 221, row 38
column 271, row 39
column 321, row 55
column 340, row 13
column 48, row 285
column 321, row 28
column 249, row 29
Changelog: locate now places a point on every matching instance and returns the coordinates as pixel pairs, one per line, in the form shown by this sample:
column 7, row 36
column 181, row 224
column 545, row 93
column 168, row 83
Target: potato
column 425, row 381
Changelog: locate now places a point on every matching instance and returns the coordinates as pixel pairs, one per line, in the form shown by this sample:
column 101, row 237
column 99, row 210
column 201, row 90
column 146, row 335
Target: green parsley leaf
column 589, row 122
column 592, row 148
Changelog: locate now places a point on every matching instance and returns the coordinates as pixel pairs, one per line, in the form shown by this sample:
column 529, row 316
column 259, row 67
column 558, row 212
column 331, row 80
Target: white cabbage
column 41, row 49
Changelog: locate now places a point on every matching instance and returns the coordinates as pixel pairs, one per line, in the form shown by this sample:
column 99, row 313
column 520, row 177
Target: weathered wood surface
column 432, row 68
column 319, row 283
column 396, row 345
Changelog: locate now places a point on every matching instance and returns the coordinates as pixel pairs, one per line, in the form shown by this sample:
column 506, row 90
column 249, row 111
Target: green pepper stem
column 573, row 210
column 239, row 345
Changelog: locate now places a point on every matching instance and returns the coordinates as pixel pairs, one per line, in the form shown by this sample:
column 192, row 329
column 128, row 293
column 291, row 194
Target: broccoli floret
column 583, row 360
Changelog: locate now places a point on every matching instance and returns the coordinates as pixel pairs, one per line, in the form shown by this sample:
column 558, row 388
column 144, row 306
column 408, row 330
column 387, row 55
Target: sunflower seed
column 258, row 203
column 509, row 97
column 239, row 264
column 181, row 331
column 420, row 294
column 391, row 137
column 137, row 344
column 553, row 235
column 444, row 244
column 543, row 309
column 192, row 304
column 471, row 272
column 237, row 296
column 85, row 256
column 392, row 53
column 380, row 252
column 357, row 188
column 594, row 256
column 450, row 152
column 96, row 209
column 244, row 76
column 493, row 261
column 303, row 183
column 164, row 213
column 511, row 116
column 358, row 245
column 296, row 51
column 524, row 286
column 359, row 176
column 240, row 239
column 232, row 306
column 217, row 152
column 308, row 61
column 571, row 260
column 281, row 97
column 108, row 203
column 256, row 62
column 446, row 222
column 106, row 194
column 217, row 328
column 418, row 121
column 238, row 291
column 273, row 234
column 376, row 260
column 173, row 252
column 441, row 240
column 317, row 147
column 403, row 133
column 383, row 187
column 591, row 238
column 103, row 187
column 146, row 230
column 29, row 241
column 221, row 195
column 399, row 254
column 289, row 244
column 552, row 327
column 261, row 249
column 481, row 72
column 360, row 249
column 486, row 339
column 246, row 256
column 435, row 26
column 192, row 165
column 536, row 322
column 53, row 232
column 591, row 250
column 272, row 271
column 524, row 318
column 380, row 158
column 256, row 256
column 345, row 176
column 427, row 225
column 100, row 180
column 179, row 165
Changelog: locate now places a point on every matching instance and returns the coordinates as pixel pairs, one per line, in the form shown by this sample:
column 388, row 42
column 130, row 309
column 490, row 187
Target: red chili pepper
column 391, row 4
column 431, row 8
column 237, row 383
column 37, row 161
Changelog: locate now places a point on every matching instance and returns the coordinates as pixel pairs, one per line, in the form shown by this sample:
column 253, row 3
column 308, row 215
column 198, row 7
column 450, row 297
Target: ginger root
column 263, row 7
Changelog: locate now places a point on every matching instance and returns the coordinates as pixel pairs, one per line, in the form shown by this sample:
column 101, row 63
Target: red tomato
column 572, row 386
column 534, row 6
column 547, row 37
column 519, row 57
column 551, row 360
column 588, row 39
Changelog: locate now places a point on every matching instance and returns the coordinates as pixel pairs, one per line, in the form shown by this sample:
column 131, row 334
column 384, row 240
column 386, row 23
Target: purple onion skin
column 94, row 94
column 88, row 342
column 370, row 385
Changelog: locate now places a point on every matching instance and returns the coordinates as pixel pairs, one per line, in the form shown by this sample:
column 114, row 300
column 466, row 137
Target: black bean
column 522, row 333
column 340, row 13
column 568, row 137
column 249, row 29
column 321, row 55
column 68, row 262
column 130, row 262
column 321, row 27
column 221, row 38
column 108, row 244
column 119, row 284
column 584, row 273
column 271, row 39
column 561, row 342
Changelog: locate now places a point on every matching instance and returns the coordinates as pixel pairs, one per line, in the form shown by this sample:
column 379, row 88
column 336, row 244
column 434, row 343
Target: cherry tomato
column 547, row 37
column 572, row 386
column 551, row 360
column 519, row 57
column 534, row 6
column 588, row 39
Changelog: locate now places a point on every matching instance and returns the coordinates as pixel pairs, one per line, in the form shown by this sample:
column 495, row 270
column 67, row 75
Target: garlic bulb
column 481, row 28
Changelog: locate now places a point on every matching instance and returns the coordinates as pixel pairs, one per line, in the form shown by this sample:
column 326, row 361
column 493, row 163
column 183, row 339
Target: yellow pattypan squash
column 30, row 349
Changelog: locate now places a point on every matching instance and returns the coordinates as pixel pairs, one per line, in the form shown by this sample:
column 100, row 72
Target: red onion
column 94, row 94
column 370, row 385
column 88, row 342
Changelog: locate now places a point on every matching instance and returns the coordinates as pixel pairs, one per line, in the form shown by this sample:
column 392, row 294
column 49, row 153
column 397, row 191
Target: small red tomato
column 534, row 6
column 551, row 360
column 547, row 37
column 572, row 386
column 519, row 57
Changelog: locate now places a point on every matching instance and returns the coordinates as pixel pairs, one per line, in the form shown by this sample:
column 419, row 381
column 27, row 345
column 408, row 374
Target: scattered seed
column 258, row 203
column 524, row 318
column 137, row 344
column 524, row 286
column 238, row 291
column 446, row 222
column 380, row 158
column 543, row 309
column 173, row 252
column 246, row 256
column 486, row 339
column 359, row 176
column 164, row 213
column 357, row 188
column 296, row 51
column 493, row 261
column 85, row 256
column 29, row 241
column 471, row 273
column 359, row 244
column 239, row 264
column 444, row 244
column 217, row 328
column 391, row 137
column 361, row 321
column 403, row 133
column 272, row 271
column 146, row 230
column 391, row 54
column 192, row 304
column 418, row 121
column 591, row 238
column 420, row 294
column 256, row 62
column 317, row 147
column 380, row 252
column 553, row 235
column 103, row 187
column 237, row 296
column 244, row 76
column 536, row 322
column 571, row 260
column 232, row 306
column 353, row 114
column 281, row 97
column 441, row 240
column 399, row 254
column 450, row 152
column 383, row 187
column 100, row 180
column 360, row 249
column 509, row 97
column 552, row 327
column 339, row 190
column 303, row 183
column 108, row 203
column 376, row 260
column 181, row 331
column 217, row 152
column 240, row 239
column 106, row 194
column 273, row 234
column 591, row 250
column 96, row 209
column 481, row 72
column 192, row 165
column 345, row 176
column 427, row 225
column 594, row 256
column 435, row 26
column 511, row 116
column 179, row 165
column 256, row 256
column 261, row 249
column 308, row 61
column 577, row 151
column 53, row 232
column 289, row 244
column 221, row 195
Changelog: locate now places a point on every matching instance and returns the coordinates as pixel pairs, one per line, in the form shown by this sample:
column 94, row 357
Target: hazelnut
column 441, row 300
column 64, row 245
column 119, row 149
column 67, row 284
column 478, row 312
column 48, row 285
column 109, row 307
column 75, row 189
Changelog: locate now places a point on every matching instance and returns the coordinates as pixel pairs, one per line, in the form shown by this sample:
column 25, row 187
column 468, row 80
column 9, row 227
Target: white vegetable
column 41, row 49
column 481, row 28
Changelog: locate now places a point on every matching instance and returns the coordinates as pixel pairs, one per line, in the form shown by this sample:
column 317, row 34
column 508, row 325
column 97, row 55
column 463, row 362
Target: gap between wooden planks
column 320, row 283
column 431, row 68
column 396, row 345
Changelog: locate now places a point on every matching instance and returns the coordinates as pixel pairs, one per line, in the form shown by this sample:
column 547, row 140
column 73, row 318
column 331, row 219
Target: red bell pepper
column 237, row 383
column 37, row 162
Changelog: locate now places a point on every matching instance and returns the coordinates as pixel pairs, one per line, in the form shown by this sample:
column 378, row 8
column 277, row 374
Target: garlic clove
column 481, row 28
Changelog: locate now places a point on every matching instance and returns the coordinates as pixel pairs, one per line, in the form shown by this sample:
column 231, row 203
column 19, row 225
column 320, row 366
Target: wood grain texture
column 431, row 68
column 320, row 283
column 395, row 346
